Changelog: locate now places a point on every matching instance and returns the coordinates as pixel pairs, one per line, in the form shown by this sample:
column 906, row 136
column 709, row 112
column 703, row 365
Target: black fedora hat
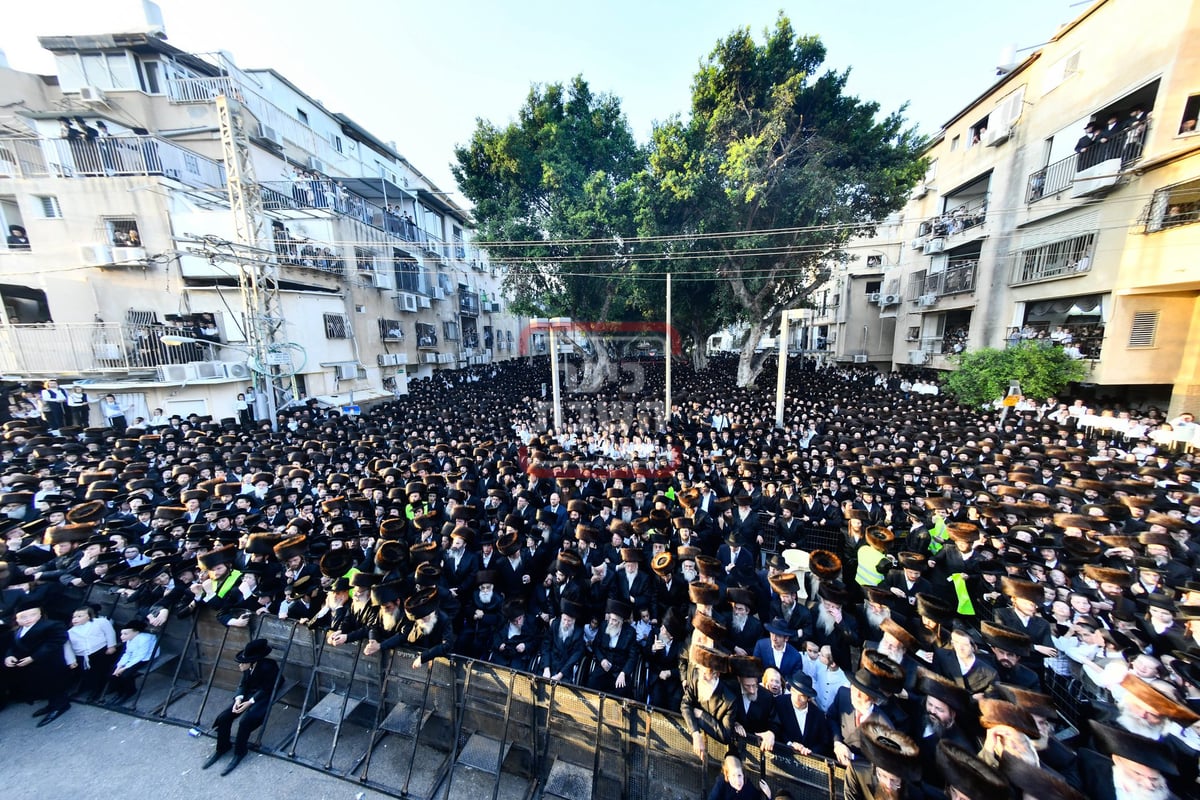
column 255, row 650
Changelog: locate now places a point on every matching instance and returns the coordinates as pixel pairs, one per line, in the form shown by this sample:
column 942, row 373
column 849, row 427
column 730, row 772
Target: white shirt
column 91, row 636
column 801, row 716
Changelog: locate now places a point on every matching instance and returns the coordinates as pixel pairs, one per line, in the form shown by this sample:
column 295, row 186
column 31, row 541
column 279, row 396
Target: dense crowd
column 947, row 602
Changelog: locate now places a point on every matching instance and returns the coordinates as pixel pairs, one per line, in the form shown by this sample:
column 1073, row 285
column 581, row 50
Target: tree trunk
column 699, row 350
column 750, row 364
column 595, row 372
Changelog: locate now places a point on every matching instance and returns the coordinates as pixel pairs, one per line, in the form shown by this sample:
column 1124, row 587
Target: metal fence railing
column 109, row 156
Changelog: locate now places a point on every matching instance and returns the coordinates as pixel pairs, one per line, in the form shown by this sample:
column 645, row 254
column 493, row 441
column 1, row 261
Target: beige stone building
column 128, row 224
column 1020, row 231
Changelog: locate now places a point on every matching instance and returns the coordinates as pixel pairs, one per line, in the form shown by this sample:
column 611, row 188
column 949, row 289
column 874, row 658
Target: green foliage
column 561, row 173
column 982, row 376
column 772, row 144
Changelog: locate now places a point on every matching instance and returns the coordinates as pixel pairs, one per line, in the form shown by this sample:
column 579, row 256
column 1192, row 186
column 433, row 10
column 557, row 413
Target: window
column 1191, row 110
column 337, row 143
column 1060, row 71
column 390, row 330
column 48, row 206
column 337, row 326
column 978, row 132
column 10, row 215
column 450, row 331
column 874, row 287
column 123, row 232
column 460, row 250
column 426, row 335
column 874, row 261
column 954, row 143
column 1174, row 206
column 1144, row 329
column 151, row 77
column 407, row 272
column 1060, row 259
column 300, row 115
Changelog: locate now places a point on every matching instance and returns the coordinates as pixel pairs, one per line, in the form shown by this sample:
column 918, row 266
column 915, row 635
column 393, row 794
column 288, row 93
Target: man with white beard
column 562, row 648
column 1145, row 711
column 833, row 627
column 1136, row 768
column 614, row 652
column 426, row 629
column 744, row 629
column 787, row 607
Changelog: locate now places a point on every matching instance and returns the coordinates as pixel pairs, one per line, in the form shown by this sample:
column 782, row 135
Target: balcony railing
column 963, row 217
column 958, row 277
column 468, row 304
column 292, row 252
column 1117, row 155
column 93, row 348
column 110, row 156
column 1061, row 259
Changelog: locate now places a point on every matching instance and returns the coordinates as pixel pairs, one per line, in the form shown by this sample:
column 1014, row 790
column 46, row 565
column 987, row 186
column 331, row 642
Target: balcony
column 1096, row 169
column 306, row 253
column 427, row 338
column 969, row 214
column 108, row 157
column 957, row 278
column 468, row 304
column 325, row 194
column 1065, row 258
column 93, row 348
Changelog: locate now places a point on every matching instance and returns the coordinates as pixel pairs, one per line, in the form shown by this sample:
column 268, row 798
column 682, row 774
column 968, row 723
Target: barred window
column 390, row 330
column 337, row 326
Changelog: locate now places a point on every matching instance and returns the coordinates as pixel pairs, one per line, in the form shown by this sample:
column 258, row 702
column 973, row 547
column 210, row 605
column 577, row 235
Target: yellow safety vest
column 868, row 560
column 938, row 535
column 965, row 606
column 231, row 580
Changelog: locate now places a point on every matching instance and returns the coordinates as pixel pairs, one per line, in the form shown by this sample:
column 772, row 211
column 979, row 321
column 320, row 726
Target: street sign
column 278, row 358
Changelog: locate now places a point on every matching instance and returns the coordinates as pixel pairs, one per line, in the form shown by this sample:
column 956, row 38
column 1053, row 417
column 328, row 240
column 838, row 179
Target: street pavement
column 92, row 752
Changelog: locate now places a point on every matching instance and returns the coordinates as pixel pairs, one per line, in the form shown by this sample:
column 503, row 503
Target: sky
column 421, row 74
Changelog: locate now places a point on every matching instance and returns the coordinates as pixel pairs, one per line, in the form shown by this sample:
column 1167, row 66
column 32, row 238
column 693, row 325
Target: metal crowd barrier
column 453, row 727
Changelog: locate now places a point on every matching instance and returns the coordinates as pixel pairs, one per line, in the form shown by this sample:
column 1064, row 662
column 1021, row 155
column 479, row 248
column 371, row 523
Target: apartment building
column 1020, row 231
column 113, row 167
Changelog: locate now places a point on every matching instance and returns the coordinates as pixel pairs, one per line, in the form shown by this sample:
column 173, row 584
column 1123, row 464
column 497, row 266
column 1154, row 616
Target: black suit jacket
column 43, row 643
column 259, row 681
column 559, row 656
column 816, row 735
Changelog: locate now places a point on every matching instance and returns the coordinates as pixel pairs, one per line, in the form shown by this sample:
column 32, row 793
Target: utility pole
column 257, row 278
column 667, row 356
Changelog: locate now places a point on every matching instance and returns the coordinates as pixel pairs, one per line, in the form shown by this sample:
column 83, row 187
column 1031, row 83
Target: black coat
column 816, row 735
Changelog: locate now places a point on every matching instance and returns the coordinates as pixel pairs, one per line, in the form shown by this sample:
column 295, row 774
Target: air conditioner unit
column 349, row 372
column 129, row 255
column 998, row 135
column 92, row 94
column 93, row 254
column 237, row 369
column 860, row 359
column 429, row 358
column 176, row 373
column 889, row 299
column 391, row 359
column 316, row 164
column 406, row 302
column 873, row 297
column 207, row 370
column 917, row 244
column 423, row 301
column 919, row 191
column 935, row 245
column 926, row 300
column 446, row 358
column 267, row 133
column 439, row 293
column 918, row 356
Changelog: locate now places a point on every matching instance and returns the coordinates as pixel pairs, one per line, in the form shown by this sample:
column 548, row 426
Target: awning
column 358, row 397
column 379, row 190
column 1046, row 310
column 441, row 204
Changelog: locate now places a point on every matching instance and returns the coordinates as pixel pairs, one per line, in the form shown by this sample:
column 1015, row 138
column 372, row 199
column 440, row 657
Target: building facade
column 1023, row 228
column 113, row 170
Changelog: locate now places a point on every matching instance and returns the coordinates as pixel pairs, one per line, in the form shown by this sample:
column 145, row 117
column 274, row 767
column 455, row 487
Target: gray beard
column 1140, row 726
column 390, row 622
column 825, row 623
column 874, row 618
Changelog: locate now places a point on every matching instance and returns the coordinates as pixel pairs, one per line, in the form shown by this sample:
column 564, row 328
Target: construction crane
column 258, row 276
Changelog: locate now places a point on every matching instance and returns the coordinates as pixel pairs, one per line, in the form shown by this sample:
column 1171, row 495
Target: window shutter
column 1144, row 329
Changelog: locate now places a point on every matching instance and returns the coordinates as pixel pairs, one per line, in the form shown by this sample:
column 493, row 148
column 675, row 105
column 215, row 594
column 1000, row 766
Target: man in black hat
column 614, row 652
column 861, row 701
column 776, row 651
column 662, row 654
column 1134, row 767
column 517, row 639
column 34, row 664
column 250, row 704
column 562, row 649
column 802, row 725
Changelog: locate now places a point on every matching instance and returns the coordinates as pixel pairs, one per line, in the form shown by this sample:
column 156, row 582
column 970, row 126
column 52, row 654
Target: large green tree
column 776, row 168
column 984, row 375
column 554, row 192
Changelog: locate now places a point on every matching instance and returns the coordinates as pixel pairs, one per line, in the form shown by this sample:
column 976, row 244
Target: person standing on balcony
column 114, row 413
column 1084, row 148
column 78, row 410
column 54, row 402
